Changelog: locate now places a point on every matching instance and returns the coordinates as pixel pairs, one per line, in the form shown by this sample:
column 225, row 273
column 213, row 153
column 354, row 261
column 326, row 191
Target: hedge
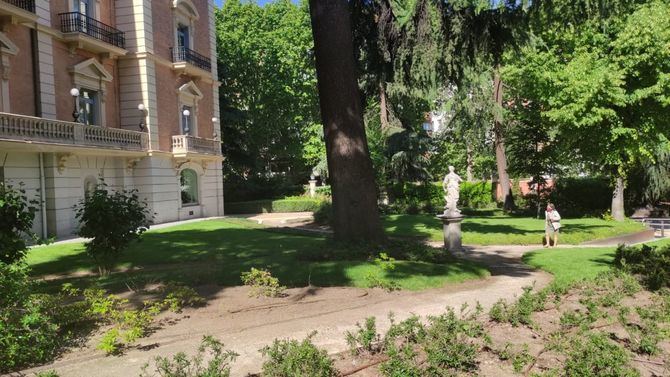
column 581, row 196
column 415, row 197
column 279, row 205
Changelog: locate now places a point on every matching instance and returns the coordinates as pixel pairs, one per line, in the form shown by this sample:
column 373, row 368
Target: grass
column 218, row 251
column 575, row 264
column 499, row 229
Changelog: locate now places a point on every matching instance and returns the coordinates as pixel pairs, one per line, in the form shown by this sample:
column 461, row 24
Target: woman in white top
column 552, row 223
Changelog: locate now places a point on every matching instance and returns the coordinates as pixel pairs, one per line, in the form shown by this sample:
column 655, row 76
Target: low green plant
column 178, row 296
column 181, row 365
column 112, row 220
column 519, row 359
column 375, row 279
column 402, row 362
column 365, row 339
column 651, row 263
column 48, row 373
column 519, row 312
column 291, row 358
column 262, row 283
column 596, row 356
column 450, row 343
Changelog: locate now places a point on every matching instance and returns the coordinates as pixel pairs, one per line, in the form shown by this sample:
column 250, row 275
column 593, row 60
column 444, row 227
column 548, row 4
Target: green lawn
column 574, row 264
column 498, row 229
column 217, row 251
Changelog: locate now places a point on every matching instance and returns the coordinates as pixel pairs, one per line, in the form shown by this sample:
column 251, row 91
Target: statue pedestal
column 451, row 225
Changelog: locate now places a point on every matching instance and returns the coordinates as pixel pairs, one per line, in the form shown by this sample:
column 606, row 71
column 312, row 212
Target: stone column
column 451, row 226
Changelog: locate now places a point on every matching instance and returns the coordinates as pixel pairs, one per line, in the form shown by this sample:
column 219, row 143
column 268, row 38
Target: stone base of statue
column 451, row 225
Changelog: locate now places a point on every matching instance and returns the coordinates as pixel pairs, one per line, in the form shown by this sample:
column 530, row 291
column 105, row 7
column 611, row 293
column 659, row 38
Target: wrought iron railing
column 182, row 144
column 183, row 54
column 26, row 128
column 28, row 5
column 75, row 22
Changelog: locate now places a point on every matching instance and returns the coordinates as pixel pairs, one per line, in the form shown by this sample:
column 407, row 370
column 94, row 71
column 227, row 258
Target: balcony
column 27, row 129
column 17, row 11
column 186, row 145
column 82, row 31
column 190, row 62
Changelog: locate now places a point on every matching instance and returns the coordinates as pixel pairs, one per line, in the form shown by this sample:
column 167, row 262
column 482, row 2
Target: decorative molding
column 92, row 69
column 131, row 163
column 187, row 7
column 180, row 164
column 61, row 159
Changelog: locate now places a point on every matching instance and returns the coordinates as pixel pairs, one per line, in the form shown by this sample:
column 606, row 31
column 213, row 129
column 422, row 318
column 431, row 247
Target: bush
column 575, row 197
column 113, row 221
column 290, row 204
column 413, row 198
column 181, row 365
column 29, row 330
column 257, row 188
column 290, row 358
column 597, row 356
column 262, row 283
column 652, row 263
column 16, row 221
column 365, row 339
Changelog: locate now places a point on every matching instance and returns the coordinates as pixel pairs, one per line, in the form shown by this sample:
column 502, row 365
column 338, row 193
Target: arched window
column 188, row 182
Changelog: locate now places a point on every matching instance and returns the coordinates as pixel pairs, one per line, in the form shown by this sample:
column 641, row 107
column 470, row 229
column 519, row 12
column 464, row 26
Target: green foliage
column 181, row 365
column 290, row 358
column 450, row 342
column 652, row 263
column 519, row 358
column 413, row 198
column 262, row 283
column 376, row 279
column 178, row 296
column 290, row 204
column 269, row 102
column 365, row 339
column 578, row 196
column 113, row 220
column 49, row 373
column 29, row 326
column 596, row 356
column 519, row 312
column 16, row 220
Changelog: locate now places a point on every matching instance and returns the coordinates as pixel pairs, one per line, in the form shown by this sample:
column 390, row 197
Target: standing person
column 552, row 223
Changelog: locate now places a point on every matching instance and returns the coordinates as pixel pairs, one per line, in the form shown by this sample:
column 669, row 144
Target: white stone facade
column 56, row 160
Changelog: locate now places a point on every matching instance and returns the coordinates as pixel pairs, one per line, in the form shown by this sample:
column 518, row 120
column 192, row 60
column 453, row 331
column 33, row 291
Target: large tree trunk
column 383, row 106
column 355, row 213
column 617, row 200
column 501, row 158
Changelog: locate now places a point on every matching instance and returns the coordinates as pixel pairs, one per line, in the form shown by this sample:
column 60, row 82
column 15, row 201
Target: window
column 84, row 7
column 90, row 184
column 183, row 36
column 188, row 181
column 88, row 106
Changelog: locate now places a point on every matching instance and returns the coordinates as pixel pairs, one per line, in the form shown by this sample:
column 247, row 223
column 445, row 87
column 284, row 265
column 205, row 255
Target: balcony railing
column 183, row 54
column 28, row 5
column 75, row 22
column 25, row 128
column 183, row 144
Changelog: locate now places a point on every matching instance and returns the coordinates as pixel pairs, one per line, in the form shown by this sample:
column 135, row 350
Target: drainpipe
column 43, row 202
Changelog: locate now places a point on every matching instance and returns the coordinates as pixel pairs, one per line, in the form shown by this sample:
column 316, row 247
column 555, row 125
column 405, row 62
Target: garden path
column 245, row 324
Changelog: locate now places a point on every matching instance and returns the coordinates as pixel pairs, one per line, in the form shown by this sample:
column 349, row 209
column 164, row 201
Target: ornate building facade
column 125, row 91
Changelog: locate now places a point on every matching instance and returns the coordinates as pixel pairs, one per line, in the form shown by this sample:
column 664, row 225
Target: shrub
column 290, row 358
column 413, row 198
column 449, row 343
column 519, row 312
column 16, row 220
column 580, row 196
column 218, row 364
column 652, row 263
column 596, row 356
column 324, row 215
column 29, row 330
column 262, row 283
column 289, row 204
column 178, row 296
column 375, row 279
column 113, row 221
column 365, row 339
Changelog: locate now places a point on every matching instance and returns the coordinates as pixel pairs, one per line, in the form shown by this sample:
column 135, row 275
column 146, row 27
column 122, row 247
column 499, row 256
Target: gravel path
column 245, row 325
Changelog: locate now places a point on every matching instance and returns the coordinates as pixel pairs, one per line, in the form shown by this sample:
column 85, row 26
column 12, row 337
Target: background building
column 122, row 90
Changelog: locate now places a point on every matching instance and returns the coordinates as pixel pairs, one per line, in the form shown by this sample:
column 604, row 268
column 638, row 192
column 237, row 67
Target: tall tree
column 355, row 213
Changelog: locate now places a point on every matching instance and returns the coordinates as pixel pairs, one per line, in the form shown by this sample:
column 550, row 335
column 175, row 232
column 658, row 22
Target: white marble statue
column 451, row 192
